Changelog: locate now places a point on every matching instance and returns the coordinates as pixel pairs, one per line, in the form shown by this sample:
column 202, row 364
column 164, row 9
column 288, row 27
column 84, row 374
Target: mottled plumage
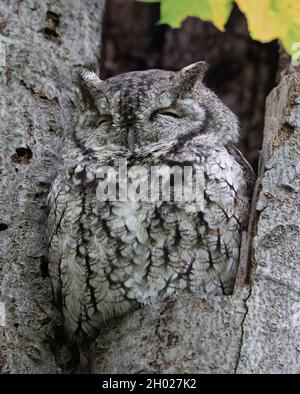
column 107, row 257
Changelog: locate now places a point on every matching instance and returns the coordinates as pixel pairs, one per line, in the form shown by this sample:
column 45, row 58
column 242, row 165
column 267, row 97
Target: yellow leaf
column 272, row 19
column 221, row 9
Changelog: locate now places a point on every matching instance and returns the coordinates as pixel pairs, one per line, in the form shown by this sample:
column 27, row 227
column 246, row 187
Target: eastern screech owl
column 108, row 257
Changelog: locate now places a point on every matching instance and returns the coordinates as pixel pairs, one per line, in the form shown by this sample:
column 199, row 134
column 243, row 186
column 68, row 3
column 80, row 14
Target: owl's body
column 108, row 257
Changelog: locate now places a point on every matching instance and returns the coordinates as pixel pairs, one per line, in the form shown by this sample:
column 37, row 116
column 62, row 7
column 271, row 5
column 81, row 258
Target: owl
column 110, row 253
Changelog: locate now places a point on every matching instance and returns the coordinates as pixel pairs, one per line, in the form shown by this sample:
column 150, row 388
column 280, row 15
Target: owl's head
column 138, row 108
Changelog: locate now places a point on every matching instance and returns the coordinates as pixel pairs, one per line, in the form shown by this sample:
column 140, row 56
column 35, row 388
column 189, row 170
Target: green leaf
column 267, row 19
column 173, row 12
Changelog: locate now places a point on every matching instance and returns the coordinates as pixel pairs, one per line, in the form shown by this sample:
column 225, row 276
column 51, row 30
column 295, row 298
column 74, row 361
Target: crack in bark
column 168, row 308
column 242, row 330
column 41, row 93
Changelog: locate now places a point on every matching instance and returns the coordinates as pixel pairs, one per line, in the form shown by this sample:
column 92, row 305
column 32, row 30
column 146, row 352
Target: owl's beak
column 131, row 140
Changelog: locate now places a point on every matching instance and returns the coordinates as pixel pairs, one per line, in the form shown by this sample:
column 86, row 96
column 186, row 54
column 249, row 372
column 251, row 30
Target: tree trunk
column 257, row 330
column 39, row 47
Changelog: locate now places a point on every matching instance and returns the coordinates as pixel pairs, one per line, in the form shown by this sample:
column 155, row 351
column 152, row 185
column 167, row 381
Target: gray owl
column 107, row 257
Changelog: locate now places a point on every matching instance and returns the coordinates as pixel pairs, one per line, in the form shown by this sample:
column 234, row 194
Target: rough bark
column 38, row 99
column 270, row 341
column 257, row 329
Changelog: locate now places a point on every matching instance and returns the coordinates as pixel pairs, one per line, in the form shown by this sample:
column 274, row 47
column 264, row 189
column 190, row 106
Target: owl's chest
column 146, row 234
column 145, row 246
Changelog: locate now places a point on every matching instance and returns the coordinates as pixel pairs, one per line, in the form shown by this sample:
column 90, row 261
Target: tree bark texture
column 41, row 43
column 254, row 331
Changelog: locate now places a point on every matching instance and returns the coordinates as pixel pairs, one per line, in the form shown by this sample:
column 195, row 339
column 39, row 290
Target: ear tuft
column 189, row 75
column 89, row 77
column 196, row 69
column 90, row 85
